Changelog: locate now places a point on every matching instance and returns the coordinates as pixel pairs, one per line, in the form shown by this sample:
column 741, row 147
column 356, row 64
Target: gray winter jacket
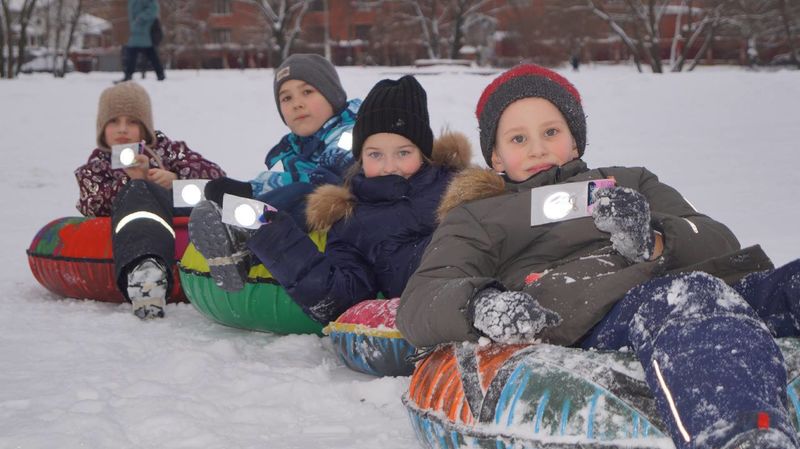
column 485, row 238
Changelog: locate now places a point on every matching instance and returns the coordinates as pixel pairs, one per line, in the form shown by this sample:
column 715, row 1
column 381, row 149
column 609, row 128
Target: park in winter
column 228, row 367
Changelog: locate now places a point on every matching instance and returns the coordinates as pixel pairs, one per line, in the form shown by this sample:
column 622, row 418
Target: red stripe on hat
column 524, row 70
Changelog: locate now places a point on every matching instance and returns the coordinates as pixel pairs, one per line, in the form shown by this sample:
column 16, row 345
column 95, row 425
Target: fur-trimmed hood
column 330, row 203
column 470, row 185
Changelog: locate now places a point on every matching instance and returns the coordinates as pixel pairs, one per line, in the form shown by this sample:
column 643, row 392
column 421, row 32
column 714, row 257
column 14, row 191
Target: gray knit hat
column 524, row 81
column 314, row 70
column 397, row 107
column 129, row 99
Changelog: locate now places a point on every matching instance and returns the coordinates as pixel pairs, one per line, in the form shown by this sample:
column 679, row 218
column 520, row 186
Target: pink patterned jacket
column 99, row 184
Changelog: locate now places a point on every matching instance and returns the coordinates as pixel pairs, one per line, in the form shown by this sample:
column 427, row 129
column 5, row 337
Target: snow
column 86, row 374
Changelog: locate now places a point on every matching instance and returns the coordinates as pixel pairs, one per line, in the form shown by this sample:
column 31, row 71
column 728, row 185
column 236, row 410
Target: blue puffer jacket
column 377, row 232
column 141, row 15
column 326, row 151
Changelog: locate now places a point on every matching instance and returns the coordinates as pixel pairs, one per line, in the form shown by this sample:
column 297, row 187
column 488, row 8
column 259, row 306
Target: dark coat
column 490, row 241
column 378, row 230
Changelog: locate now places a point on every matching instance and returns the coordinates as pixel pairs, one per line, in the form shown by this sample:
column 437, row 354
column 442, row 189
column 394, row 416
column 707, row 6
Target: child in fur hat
column 645, row 271
column 377, row 225
column 142, row 251
column 313, row 104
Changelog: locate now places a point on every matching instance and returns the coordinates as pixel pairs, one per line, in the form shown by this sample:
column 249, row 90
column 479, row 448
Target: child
column 378, row 225
column 313, row 104
column 143, row 249
column 646, row 261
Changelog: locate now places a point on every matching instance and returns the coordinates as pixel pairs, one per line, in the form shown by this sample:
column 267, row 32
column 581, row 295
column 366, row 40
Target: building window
column 220, row 35
column 222, row 6
column 362, row 32
column 317, row 5
column 521, row 3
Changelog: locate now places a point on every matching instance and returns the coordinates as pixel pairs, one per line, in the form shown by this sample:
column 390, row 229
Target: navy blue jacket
column 373, row 248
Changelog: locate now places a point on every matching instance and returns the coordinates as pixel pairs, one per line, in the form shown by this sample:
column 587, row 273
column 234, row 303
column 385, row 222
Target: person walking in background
column 141, row 16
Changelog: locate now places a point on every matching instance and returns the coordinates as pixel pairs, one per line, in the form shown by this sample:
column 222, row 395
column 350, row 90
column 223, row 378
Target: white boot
column 147, row 288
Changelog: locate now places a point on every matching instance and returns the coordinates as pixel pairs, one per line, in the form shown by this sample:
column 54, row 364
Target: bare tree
column 637, row 23
column 467, row 15
column 790, row 15
column 706, row 26
column 182, row 31
column 15, row 43
column 284, row 18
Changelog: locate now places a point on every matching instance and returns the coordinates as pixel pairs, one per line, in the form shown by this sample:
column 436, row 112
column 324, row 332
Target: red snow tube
column 366, row 339
column 72, row 257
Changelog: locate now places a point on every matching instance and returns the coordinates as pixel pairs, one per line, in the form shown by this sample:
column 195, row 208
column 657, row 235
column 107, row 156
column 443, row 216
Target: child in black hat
column 377, row 225
column 642, row 270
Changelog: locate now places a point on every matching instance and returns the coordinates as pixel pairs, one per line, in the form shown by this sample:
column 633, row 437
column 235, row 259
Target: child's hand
column 217, row 188
column 161, row 177
column 510, row 317
column 139, row 168
column 625, row 214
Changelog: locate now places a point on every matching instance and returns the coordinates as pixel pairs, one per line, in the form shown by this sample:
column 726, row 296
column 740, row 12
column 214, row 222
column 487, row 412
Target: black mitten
column 216, row 188
column 510, row 317
column 625, row 214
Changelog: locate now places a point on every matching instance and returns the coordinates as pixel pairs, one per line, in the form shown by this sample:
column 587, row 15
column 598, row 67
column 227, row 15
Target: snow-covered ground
column 79, row 374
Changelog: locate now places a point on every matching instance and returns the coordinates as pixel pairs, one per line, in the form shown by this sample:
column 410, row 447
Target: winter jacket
column 377, row 228
column 99, row 184
column 327, row 149
column 568, row 267
column 141, row 15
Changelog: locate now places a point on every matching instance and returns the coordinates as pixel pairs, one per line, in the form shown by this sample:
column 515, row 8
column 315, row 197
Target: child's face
column 390, row 154
column 303, row 107
column 532, row 136
column 123, row 129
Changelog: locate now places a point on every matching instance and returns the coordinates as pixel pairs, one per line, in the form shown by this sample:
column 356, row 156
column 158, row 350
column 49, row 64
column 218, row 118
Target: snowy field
column 80, row 374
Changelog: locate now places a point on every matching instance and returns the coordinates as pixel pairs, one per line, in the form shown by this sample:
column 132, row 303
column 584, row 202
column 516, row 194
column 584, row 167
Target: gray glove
column 625, row 214
column 510, row 317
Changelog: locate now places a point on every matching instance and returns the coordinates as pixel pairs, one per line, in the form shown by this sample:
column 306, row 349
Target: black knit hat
column 397, row 107
column 314, row 70
column 524, row 81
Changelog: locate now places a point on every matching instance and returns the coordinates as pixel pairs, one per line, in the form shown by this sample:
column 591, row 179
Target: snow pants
column 710, row 361
column 141, row 226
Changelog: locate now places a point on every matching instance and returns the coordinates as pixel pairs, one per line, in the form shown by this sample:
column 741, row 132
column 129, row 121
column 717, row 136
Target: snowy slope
column 78, row 374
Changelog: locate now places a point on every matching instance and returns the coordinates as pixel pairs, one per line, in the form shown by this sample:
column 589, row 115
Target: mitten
column 216, row 188
column 322, row 175
column 625, row 214
column 509, row 316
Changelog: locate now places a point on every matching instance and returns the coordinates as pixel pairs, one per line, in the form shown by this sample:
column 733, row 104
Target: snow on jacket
column 141, row 15
column 377, row 229
column 485, row 239
column 99, row 184
column 328, row 148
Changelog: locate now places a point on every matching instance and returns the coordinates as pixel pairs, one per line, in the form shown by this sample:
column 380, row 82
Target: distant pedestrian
column 142, row 14
column 575, row 61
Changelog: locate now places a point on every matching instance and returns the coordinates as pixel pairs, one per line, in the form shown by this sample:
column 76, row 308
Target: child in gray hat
column 312, row 103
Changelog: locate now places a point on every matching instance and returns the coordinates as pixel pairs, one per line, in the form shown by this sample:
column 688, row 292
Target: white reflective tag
column 242, row 212
column 346, row 141
column 563, row 202
column 124, row 155
column 188, row 192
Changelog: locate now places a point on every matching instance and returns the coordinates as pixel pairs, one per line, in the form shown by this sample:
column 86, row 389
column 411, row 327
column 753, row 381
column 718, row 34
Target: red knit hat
column 525, row 81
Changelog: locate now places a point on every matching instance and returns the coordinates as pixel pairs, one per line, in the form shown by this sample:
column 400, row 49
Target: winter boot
column 223, row 246
column 147, row 288
column 761, row 439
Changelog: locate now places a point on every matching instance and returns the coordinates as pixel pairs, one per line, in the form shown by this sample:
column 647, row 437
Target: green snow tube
column 262, row 305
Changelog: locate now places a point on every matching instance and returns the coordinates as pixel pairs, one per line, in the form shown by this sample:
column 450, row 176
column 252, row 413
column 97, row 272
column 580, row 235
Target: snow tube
column 72, row 257
column 262, row 305
column 366, row 339
column 542, row 396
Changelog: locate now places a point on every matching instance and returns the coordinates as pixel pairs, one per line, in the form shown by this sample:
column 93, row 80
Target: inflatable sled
column 262, row 305
column 72, row 257
column 543, row 396
column 366, row 339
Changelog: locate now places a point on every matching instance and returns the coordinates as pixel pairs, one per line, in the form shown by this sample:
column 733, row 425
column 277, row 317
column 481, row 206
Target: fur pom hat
column 524, row 81
column 129, row 99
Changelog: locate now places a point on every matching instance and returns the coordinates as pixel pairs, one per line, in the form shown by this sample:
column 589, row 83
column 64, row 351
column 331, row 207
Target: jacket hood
column 480, row 183
column 330, row 203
